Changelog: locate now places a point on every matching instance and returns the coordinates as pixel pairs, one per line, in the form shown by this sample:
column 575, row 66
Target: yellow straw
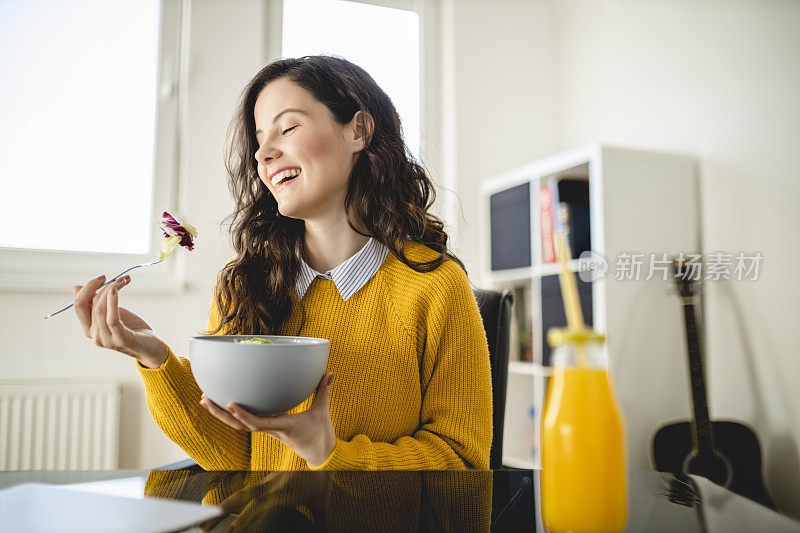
column 569, row 289
column 569, row 293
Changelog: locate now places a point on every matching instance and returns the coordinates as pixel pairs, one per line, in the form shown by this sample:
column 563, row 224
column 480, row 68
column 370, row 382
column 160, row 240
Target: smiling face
column 305, row 157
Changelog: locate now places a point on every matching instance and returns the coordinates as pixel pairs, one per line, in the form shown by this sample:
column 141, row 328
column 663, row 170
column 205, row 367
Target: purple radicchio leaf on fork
column 176, row 234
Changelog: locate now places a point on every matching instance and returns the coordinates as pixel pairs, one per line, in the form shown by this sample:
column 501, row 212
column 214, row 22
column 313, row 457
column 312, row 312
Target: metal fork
column 109, row 281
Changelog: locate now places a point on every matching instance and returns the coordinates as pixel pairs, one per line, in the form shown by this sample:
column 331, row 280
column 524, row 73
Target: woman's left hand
column 310, row 433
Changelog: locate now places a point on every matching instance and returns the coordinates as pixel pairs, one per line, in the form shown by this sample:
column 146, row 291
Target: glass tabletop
column 490, row 500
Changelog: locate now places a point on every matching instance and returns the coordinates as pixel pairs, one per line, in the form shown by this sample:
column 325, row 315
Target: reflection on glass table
column 497, row 500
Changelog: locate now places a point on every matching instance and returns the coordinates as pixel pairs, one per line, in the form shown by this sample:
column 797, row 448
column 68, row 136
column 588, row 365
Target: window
column 78, row 124
column 384, row 41
column 82, row 178
column 81, row 141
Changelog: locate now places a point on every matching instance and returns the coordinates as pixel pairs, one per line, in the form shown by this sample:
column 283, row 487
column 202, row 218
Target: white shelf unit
column 639, row 202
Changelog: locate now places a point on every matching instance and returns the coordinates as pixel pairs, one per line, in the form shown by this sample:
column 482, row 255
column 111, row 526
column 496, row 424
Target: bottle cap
column 559, row 336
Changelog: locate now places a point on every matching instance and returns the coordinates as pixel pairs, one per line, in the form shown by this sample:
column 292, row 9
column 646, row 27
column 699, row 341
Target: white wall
column 227, row 48
column 720, row 80
column 500, row 101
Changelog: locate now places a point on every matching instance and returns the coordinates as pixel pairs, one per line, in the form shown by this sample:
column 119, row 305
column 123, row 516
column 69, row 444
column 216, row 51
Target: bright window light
column 383, row 41
column 77, row 124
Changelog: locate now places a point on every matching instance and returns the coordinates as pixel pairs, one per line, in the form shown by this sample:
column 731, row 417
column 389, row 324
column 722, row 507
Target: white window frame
column 57, row 271
column 44, row 271
column 430, row 147
column 434, row 150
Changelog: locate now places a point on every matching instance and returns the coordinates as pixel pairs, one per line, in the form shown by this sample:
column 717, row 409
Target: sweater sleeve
column 173, row 399
column 455, row 430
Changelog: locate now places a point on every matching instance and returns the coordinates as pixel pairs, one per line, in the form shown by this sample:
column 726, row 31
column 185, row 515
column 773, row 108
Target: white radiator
column 59, row 425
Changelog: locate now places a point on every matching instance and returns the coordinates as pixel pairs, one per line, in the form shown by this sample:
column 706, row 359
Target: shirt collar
column 348, row 277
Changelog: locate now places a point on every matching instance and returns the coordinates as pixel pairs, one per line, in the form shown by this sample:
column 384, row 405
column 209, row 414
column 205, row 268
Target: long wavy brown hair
column 389, row 195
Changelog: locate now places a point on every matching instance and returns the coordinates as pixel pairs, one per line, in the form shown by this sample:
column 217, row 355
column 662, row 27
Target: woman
column 334, row 240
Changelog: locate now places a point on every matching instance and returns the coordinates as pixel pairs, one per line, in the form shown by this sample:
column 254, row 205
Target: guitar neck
column 701, row 427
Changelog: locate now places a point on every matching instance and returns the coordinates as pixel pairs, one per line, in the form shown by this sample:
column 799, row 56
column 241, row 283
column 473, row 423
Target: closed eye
column 287, row 130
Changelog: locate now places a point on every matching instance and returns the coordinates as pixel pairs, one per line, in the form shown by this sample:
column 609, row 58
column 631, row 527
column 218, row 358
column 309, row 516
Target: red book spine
column 546, row 211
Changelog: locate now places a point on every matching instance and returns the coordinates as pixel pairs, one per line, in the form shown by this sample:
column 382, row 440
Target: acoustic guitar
column 725, row 452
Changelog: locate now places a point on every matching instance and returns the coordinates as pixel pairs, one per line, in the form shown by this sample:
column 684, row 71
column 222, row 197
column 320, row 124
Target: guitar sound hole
column 713, row 467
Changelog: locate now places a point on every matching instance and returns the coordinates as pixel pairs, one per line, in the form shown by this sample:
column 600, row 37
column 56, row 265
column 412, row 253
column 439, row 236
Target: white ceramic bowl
column 265, row 379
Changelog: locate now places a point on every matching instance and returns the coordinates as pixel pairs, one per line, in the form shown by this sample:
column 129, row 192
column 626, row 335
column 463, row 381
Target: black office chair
column 495, row 310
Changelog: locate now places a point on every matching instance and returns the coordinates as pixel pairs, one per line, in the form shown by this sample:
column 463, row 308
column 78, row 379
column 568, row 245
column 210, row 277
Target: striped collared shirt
column 348, row 277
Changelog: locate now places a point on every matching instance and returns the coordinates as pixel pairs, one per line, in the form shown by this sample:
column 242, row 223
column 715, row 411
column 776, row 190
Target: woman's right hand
column 114, row 327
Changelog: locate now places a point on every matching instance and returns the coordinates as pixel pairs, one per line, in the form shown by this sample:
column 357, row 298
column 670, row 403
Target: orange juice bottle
column 582, row 440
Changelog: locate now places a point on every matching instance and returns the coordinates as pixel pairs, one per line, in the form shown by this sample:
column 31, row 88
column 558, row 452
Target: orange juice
column 583, row 465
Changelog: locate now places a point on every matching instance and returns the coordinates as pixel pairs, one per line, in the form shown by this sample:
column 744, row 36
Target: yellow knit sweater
column 412, row 389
